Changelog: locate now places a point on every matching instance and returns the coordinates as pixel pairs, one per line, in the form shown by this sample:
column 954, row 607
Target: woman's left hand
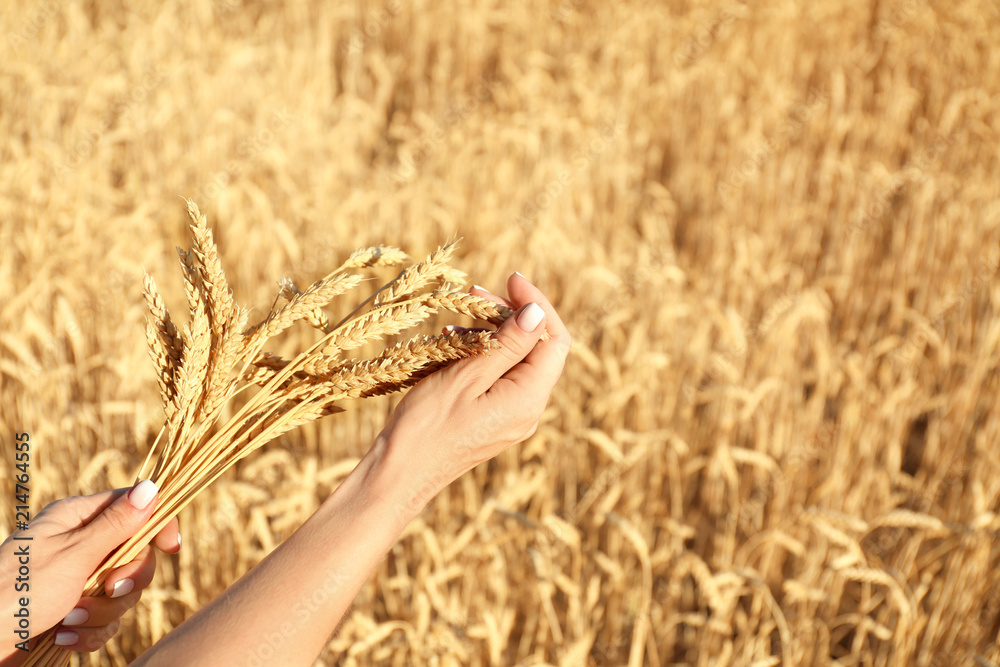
column 49, row 563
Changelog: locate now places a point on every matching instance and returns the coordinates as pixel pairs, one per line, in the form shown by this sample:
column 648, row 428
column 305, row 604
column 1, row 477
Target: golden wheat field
column 772, row 227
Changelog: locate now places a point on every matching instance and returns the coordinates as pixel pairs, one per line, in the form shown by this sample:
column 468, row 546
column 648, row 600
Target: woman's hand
column 472, row 410
column 452, row 420
column 69, row 539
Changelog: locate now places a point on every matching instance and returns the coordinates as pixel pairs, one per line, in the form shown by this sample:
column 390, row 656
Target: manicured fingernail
column 481, row 288
column 529, row 318
column 76, row 617
column 143, row 492
column 178, row 540
column 66, row 638
column 123, row 587
column 518, row 273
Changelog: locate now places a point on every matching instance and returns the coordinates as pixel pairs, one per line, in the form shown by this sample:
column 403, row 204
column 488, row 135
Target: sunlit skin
column 450, row 422
column 69, row 539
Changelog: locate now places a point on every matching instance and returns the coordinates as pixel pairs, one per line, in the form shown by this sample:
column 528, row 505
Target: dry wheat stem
column 199, row 372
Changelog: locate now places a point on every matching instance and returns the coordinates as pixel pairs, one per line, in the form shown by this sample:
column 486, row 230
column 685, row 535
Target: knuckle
column 93, row 640
column 117, row 519
column 102, row 635
column 128, row 601
column 62, row 503
column 471, row 377
column 509, row 351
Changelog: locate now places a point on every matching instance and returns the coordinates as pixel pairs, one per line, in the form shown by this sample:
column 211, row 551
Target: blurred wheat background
column 773, row 227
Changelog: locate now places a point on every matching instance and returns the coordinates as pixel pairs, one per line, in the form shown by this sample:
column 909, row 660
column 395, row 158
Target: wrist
column 398, row 479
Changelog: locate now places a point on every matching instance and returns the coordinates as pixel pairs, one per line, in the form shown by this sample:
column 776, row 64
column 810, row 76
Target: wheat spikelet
column 166, row 330
column 442, row 347
column 415, row 277
column 197, row 347
column 400, row 366
column 193, row 289
column 473, row 306
column 224, row 358
column 902, row 518
column 452, row 279
column 315, row 317
column 164, row 371
column 874, row 576
column 380, row 255
column 467, row 304
column 264, row 368
column 165, row 344
column 225, row 319
column 317, row 296
column 376, row 324
column 220, row 299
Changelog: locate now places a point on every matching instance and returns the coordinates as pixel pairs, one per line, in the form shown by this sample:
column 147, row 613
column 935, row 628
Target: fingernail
column 142, row 494
column 76, row 617
column 178, row 540
column 123, row 587
column 451, row 328
column 481, row 288
column 529, row 318
column 66, row 638
column 518, row 273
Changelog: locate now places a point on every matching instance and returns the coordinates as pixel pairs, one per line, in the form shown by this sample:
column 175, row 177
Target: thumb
column 119, row 521
column 517, row 336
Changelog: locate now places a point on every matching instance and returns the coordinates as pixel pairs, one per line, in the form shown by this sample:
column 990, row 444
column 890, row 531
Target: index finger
column 521, row 291
column 85, row 509
column 544, row 363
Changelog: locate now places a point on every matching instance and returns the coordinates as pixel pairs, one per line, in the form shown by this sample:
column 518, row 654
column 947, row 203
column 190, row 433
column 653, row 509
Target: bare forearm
column 12, row 657
column 284, row 610
column 451, row 421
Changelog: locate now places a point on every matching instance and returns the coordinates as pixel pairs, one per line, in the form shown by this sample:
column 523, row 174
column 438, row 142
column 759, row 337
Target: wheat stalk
column 216, row 357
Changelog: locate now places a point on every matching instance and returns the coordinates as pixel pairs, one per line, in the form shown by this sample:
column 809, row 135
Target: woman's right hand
column 449, row 422
column 469, row 412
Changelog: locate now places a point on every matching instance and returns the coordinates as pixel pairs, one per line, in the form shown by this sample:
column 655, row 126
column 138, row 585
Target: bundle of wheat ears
column 217, row 356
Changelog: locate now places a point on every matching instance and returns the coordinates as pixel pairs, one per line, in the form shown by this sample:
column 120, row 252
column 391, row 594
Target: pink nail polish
column 529, row 318
column 76, row 617
column 123, row 587
column 143, row 492
column 66, row 638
